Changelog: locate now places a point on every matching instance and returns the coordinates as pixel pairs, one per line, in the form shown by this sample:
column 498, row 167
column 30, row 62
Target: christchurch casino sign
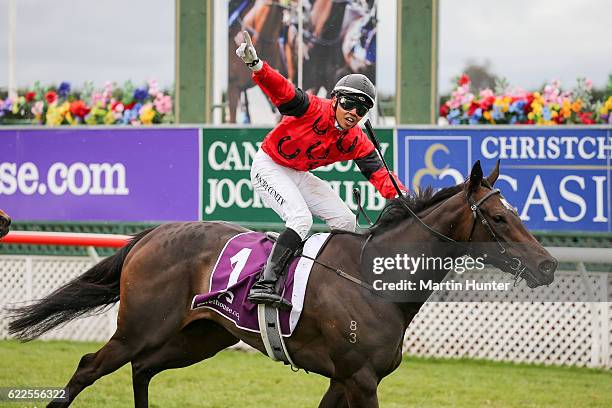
column 228, row 195
column 558, row 179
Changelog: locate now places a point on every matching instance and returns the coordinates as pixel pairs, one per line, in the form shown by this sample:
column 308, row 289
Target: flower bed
column 551, row 106
column 111, row 105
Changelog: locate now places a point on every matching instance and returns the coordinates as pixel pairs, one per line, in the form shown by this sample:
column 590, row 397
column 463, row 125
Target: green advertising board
column 227, row 193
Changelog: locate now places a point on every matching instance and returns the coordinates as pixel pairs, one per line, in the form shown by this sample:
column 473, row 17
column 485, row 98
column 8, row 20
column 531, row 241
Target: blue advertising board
column 558, row 179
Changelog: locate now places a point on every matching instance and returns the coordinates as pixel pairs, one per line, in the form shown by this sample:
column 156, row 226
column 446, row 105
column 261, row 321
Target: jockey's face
column 349, row 111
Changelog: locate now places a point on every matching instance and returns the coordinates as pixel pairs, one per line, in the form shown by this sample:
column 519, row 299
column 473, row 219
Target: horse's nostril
column 547, row 266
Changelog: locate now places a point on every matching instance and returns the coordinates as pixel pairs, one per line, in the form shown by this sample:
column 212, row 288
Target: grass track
column 236, row 379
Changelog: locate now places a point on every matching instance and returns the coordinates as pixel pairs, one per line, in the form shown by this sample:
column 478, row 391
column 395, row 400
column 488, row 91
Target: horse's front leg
column 335, row 396
column 360, row 389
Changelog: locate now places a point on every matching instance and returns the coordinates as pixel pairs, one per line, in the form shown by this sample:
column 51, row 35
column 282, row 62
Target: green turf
column 237, row 379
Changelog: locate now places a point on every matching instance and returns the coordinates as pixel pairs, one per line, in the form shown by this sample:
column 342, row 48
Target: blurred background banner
column 313, row 47
column 558, row 179
column 100, row 175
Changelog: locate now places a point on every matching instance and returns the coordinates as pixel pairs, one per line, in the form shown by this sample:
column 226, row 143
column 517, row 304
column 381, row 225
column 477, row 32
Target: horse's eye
column 499, row 219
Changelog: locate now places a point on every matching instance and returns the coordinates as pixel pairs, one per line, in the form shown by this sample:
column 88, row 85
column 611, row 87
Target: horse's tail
column 87, row 294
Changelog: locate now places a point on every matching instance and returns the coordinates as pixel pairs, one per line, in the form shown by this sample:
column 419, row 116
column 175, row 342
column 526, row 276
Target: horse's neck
column 439, row 218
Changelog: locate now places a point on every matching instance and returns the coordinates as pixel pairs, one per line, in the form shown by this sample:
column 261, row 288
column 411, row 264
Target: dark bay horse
column 353, row 339
column 5, row 223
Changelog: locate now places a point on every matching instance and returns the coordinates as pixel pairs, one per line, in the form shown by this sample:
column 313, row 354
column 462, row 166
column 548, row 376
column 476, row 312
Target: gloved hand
column 247, row 53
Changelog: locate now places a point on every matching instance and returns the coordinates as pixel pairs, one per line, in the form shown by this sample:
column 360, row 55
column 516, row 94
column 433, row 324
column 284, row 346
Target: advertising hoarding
column 104, row 174
column 557, row 178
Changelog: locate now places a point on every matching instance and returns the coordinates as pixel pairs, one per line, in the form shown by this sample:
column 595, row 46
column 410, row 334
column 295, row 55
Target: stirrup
column 271, row 299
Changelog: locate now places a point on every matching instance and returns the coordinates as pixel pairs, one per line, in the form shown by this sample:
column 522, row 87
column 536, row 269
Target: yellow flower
column 70, row 119
column 109, row 118
column 530, row 115
column 54, row 117
column 577, row 105
column 554, row 114
column 146, row 117
column 487, row 115
column 64, row 108
column 608, row 104
column 603, row 110
column 537, row 108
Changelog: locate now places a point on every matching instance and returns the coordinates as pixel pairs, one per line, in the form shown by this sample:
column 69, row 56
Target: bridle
column 514, row 263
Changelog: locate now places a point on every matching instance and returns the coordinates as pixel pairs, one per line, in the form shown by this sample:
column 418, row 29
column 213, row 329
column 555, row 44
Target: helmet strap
column 336, row 123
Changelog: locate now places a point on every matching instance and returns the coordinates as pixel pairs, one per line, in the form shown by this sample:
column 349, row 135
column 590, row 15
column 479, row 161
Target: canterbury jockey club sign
column 558, row 179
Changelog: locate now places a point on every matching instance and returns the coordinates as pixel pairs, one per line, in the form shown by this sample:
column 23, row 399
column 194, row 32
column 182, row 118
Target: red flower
column 79, row 108
column 130, row 105
column 51, row 97
column 30, row 96
column 527, row 107
column 464, row 79
column 487, row 102
column 586, row 118
column 444, row 110
column 473, row 107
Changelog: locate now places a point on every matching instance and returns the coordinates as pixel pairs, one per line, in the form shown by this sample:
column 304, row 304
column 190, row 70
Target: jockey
column 313, row 132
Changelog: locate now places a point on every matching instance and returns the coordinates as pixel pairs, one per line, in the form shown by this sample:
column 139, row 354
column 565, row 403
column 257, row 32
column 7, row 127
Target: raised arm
column 282, row 93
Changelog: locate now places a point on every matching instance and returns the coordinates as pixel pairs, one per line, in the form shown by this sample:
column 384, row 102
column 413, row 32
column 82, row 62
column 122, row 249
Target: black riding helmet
column 356, row 86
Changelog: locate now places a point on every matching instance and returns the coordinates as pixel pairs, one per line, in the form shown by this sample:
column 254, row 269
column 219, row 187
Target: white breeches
column 298, row 195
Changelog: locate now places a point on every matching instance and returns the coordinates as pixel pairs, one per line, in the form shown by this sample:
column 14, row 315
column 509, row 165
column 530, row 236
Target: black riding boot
column 266, row 290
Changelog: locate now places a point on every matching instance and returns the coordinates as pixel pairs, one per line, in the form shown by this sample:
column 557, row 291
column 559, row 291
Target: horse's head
column 490, row 219
column 5, row 223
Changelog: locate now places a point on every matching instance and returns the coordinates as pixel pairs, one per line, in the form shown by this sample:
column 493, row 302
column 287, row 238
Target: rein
column 515, row 263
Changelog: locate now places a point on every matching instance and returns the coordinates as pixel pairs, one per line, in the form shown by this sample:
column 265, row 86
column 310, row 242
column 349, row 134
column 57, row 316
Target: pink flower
column 37, row 109
column 108, row 90
column 486, row 93
column 589, row 84
column 153, row 88
column 98, row 98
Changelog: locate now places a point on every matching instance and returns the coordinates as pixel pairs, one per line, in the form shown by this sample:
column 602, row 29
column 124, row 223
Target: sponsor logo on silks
column 227, row 296
column 436, row 161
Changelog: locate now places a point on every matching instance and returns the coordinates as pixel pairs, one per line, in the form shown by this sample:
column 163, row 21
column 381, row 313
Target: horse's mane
column 395, row 211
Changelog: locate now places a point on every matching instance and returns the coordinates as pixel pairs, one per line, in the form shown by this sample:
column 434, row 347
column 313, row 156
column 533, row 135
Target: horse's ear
column 475, row 178
column 492, row 178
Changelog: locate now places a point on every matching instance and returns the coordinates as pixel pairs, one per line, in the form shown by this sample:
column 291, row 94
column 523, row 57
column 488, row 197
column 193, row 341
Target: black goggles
column 349, row 104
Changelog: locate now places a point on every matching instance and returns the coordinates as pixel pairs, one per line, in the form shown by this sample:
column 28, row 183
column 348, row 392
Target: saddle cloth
column 235, row 271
